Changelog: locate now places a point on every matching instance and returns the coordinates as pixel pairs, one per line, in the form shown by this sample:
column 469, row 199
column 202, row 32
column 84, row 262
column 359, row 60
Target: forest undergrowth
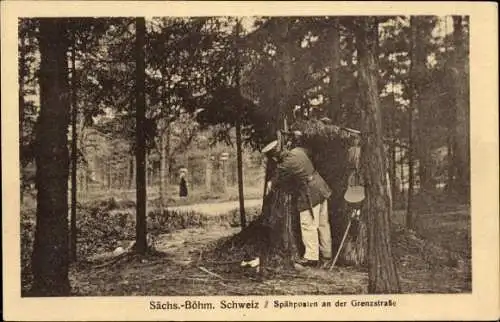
column 193, row 256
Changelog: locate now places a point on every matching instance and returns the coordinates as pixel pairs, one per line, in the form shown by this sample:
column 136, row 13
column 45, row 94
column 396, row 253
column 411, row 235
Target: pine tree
column 382, row 273
column 50, row 253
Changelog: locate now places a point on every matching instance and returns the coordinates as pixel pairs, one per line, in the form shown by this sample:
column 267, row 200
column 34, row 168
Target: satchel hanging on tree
column 355, row 193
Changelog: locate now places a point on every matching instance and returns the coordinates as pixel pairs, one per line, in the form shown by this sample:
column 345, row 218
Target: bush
column 251, row 214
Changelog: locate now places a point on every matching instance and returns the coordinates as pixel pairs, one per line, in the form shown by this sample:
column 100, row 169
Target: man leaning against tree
column 295, row 173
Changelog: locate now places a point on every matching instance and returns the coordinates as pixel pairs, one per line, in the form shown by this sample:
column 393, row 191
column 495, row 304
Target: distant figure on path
column 183, row 189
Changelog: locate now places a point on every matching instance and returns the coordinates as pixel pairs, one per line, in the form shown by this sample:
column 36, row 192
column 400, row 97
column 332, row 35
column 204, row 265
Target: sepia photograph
column 238, row 155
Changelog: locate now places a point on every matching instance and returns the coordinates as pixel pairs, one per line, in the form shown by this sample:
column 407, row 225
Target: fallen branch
column 181, row 278
column 114, row 260
column 210, row 273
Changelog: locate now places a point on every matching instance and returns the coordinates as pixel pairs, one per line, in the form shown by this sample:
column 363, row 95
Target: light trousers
column 316, row 234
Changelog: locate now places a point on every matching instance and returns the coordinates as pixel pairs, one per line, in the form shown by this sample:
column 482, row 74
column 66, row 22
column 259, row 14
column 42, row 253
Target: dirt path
column 179, row 269
column 177, row 272
column 216, row 208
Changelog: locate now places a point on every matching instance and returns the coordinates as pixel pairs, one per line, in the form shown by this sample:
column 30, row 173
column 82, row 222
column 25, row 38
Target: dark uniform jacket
column 295, row 173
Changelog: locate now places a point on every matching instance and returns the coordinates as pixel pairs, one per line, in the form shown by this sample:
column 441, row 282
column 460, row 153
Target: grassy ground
column 179, row 267
column 196, row 196
column 178, row 270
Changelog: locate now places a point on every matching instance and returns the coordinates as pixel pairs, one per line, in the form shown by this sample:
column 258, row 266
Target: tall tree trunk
column 354, row 251
column 131, row 171
column 278, row 207
column 335, row 70
column 239, row 152
column 419, row 70
column 411, row 167
column 392, row 151
column 287, row 234
column 241, row 196
column 401, row 170
column 50, row 252
column 148, row 171
column 411, row 109
column 382, row 275
column 164, row 162
column 140, row 229
column 287, row 71
column 162, row 170
column 460, row 84
column 167, row 158
column 74, row 155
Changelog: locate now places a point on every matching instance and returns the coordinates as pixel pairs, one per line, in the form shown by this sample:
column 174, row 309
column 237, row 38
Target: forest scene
column 142, row 166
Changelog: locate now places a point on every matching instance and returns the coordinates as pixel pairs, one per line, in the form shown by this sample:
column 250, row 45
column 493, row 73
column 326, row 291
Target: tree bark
column 354, row 250
column 285, row 109
column 241, row 196
column 411, row 167
column 167, row 157
column 419, row 70
column 411, row 108
column 382, row 272
column 461, row 82
column 131, row 171
column 335, row 70
column 393, row 165
column 148, row 171
column 162, row 170
column 141, row 229
column 239, row 152
column 164, row 162
column 279, row 212
column 50, row 252
column 74, row 156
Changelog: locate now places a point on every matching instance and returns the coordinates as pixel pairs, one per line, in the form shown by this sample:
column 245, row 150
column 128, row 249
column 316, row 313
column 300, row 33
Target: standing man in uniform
column 295, row 173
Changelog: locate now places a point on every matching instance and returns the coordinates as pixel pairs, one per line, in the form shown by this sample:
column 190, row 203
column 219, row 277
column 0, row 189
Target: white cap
column 270, row 147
